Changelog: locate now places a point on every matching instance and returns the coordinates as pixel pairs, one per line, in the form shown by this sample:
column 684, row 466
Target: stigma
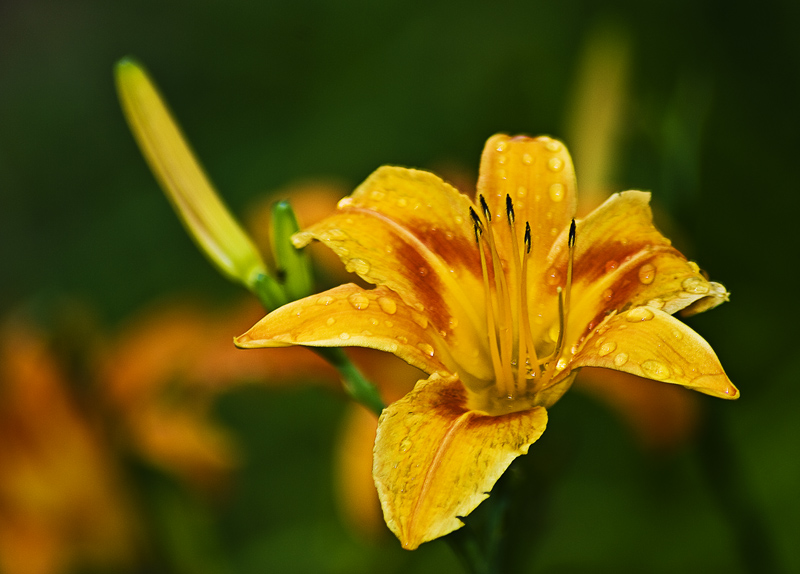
column 520, row 372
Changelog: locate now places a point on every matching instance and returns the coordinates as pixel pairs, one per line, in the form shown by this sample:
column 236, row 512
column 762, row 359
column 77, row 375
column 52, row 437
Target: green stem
column 359, row 388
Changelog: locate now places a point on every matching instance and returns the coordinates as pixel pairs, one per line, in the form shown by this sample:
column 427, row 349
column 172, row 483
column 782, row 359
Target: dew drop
column 607, row 348
column 501, row 146
column 330, row 321
column 426, row 348
column 677, row 335
column 453, row 322
column 638, row 314
column 501, row 159
column 423, row 271
column 608, row 294
column 695, row 285
column 656, row 303
column 358, row 301
column 405, row 444
column 344, row 336
column 402, row 202
column 389, row 324
column 402, row 339
column 387, row 305
column 647, row 273
column 375, row 322
column 693, row 266
column 389, row 249
column 553, row 231
column 345, row 202
column 553, row 277
column 420, row 320
column 391, row 347
column 521, row 191
column 621, row 359
column 357, row 265
column 458, row 219
column 377, row 195
column 561, row 364
column 556, row 192
column 553, row 145
column 527, row 159
column 337, row 234
column 611, row 265
column 325, row 300
column 555, row 164
column 655, row 370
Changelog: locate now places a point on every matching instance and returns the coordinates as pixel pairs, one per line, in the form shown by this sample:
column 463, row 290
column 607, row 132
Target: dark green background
column 272, row 92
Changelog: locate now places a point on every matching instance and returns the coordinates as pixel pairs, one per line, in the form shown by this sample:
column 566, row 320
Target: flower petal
column 537, row 174
column 435, row 461
column 621, row 258
column 647, row 342
column 350, row 316
column 411, row 231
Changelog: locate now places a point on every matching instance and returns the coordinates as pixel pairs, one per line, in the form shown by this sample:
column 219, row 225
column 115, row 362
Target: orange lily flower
column 501, row 301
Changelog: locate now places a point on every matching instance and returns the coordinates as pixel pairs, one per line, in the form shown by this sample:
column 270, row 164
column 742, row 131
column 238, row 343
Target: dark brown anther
column 527, row 237
column 476, row 223
column 509, row 209
column 485, row 207
column 571, row 242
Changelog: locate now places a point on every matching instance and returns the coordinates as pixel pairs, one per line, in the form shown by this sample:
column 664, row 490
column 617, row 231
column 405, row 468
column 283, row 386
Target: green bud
column 292, row 263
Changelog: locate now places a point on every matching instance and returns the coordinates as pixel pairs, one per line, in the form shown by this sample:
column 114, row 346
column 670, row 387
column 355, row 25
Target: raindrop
column 621, row 359
column 561, row 364
column 325, row 300
column 555, row 164
column 420, row 320
column 556, row 192
column 695, row 285
column 402, row 339
column 357, row 266
column 677, row 335
column 527, row 159
column 330, row 321
column 521, row 191
column 426, row 348
column 358, row 301
column 638, row 314
column 377, row 195
column 647, row 273
column 611, row 265
column 655, row 370
column 501, row 146
column 423, row 271
column 402, row 202
column 553, row 145
column 608, row 294
column 344, row 336
column 387, row 305
column 607, row 348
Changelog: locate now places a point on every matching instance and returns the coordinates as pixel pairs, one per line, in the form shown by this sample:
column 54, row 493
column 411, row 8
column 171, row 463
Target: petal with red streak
column 435, row 461
column 350, row 316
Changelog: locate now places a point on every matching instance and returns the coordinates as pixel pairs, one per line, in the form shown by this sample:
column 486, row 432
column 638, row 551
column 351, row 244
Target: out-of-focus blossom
column 62, row 503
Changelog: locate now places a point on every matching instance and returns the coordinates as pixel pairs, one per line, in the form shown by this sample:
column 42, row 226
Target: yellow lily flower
column 501, row 301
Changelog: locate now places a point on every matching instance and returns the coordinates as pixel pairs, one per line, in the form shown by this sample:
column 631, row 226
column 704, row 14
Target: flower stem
column 355, row 384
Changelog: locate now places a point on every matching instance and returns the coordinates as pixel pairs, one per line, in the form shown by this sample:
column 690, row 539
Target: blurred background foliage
column 696, row 101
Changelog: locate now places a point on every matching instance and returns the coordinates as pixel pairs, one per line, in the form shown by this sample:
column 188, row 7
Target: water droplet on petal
column 555, row 164
column 324, row 300
column 426, row 348
column 553, row 277
column 556, row 192
column 345, row 202
column 611, row 265
column 389, row 324
column 621, row 359
column 527, row 159
column 607, row 348
column 522, row 191
column 677, row 335
column 377, row 195
column 337, row 234
column 695, row 285
column 608, row 294
column 647, row 273
column 553, row 145
column 358, row 301
column 402, row 339
column 423, row 271
column 656, row 303
column 357, row 266
column 391, row 347
column 561, row 364
column 458, row 219
column 501, row 159
column 344, row 336
column 330, row 321
column 374, row 321
column 655, row 370
column 402, row 202
column 638, row 314
column 387, row 305
column 501, row 146
column 420, row 320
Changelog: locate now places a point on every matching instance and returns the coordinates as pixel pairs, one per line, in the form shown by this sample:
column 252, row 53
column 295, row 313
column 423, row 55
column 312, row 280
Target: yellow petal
column 622, row 260
column 411, row 231
column 350, row 316
column 649, row 343
column 435, row 461
column 537, row 174
column 203, row 214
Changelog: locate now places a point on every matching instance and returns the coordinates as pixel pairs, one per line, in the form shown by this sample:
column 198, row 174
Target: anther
column 485, row 207
column 527, row 237
column 571, row 242
column 509, row 209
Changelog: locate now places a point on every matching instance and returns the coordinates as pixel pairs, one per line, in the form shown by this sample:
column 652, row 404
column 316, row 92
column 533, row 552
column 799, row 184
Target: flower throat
column 519, row 372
